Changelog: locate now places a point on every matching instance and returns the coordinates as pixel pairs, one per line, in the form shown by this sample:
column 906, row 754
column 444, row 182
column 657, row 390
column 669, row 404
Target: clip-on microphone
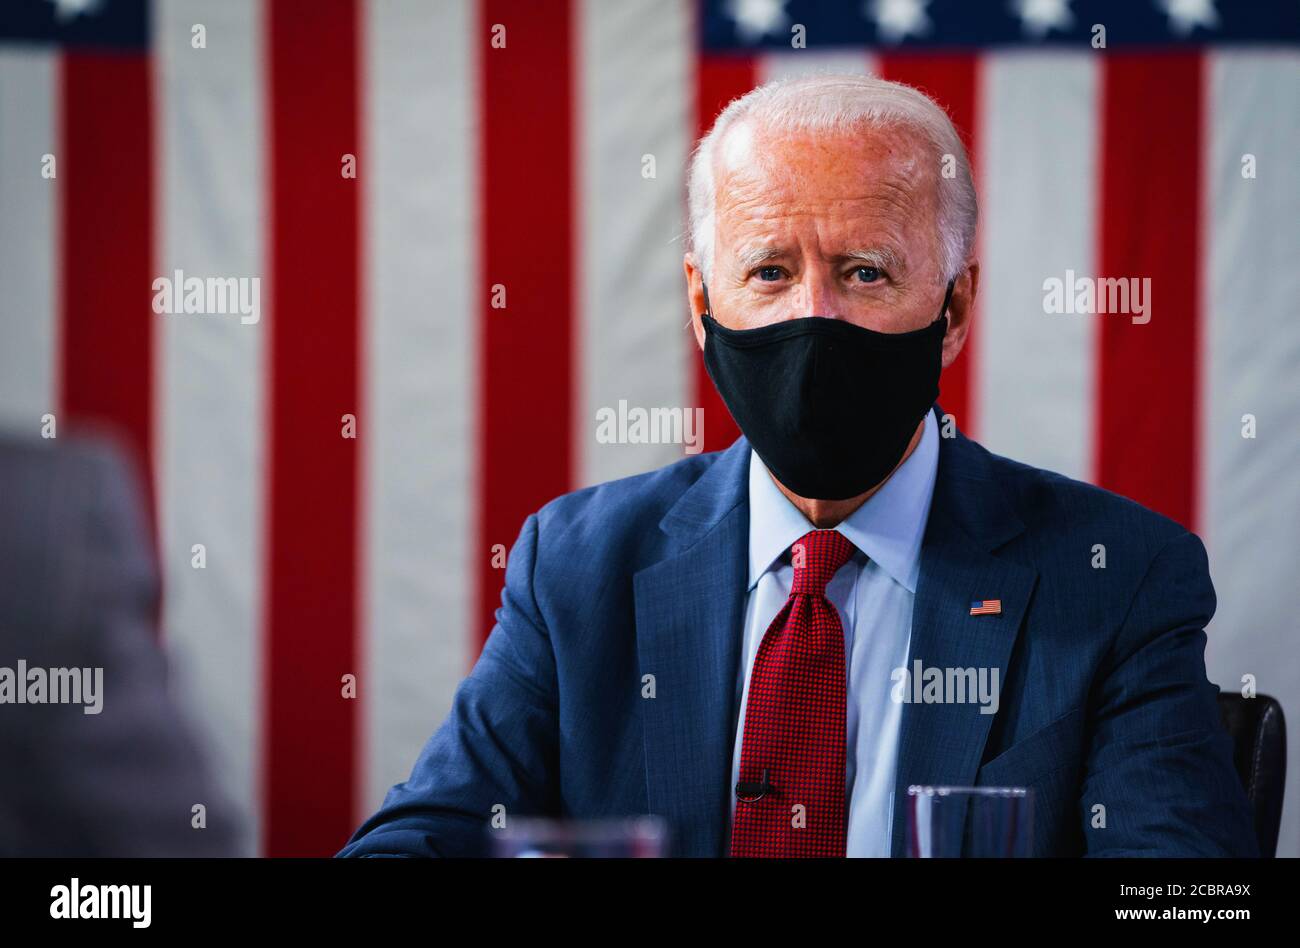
column 751, row 792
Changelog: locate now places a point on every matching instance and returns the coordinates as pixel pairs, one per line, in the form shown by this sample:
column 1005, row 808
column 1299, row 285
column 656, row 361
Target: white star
column 896, row 19
column 1040, row 16
column 70, row 9
column 1186, row 15
column 756, row 18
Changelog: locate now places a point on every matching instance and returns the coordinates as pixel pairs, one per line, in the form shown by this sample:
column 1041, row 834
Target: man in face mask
column 765, row 647
column 833, row 308
column 835, row 284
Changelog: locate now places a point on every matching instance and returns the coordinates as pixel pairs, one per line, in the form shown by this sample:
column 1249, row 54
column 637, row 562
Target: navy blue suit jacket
column 1104, row 697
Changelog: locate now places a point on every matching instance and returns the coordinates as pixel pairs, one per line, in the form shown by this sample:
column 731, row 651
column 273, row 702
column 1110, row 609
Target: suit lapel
column 689, row 618
column 942, row 743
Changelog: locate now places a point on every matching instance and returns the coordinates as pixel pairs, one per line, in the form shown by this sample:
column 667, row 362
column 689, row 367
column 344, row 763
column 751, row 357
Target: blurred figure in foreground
column 94, row 758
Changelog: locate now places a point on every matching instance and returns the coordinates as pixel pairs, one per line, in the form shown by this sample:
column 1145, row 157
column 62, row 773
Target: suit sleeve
column 496, row 753
column 1160, row 760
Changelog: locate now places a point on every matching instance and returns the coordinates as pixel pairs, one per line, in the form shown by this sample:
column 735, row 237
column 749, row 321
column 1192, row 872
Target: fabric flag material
column 464, row 221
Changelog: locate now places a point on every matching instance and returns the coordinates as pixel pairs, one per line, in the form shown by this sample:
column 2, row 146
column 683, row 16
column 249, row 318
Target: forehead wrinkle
column 756, row 200
column 758, row 179
column 762, row 192
column 792, row 156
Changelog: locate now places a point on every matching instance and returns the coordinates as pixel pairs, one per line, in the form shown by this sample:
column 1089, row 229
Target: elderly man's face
column 814, row 225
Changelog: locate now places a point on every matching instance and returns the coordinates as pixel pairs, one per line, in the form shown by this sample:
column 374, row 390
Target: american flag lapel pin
column 986, row 607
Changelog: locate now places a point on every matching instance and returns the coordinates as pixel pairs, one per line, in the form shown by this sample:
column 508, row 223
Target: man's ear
column 695, row 297
column 961, row 309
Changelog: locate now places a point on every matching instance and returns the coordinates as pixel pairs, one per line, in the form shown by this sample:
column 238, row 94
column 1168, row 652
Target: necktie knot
column 816, row 557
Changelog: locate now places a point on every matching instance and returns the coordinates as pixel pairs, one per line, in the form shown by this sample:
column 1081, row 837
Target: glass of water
column 974, row 822
column 643, row 837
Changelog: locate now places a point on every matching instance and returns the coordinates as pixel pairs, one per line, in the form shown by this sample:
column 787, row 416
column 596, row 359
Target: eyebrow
column 884, row 258
column 751, row 257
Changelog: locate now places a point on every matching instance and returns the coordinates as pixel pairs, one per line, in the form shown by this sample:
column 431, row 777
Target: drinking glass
column 974, row 822
column 536, row 838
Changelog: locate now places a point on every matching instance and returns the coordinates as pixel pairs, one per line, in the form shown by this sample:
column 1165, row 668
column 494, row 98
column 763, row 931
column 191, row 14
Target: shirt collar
column 888, row 528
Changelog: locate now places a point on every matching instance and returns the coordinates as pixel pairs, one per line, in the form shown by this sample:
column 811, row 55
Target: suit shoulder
column 1056, row 504
column 605, row 533
column 628, row 503
column 82, row 472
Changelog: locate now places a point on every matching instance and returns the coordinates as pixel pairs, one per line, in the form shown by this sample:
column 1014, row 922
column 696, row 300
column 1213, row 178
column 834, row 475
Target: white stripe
column 636, row 94
column 805, row 62
column 208, row 409
column 419, row 384
column 1250, row 351
column 1033, row 390
column 29, row 204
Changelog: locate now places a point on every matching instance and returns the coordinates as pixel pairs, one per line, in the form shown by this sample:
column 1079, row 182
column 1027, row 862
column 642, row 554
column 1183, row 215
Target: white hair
column 840, row 103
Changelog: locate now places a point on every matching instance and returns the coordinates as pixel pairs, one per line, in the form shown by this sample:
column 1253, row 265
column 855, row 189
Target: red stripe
column 1150, row 154
column 952, row 80
column 106, row 171
column 526, row 371
column 719, row 79
column 311, row 621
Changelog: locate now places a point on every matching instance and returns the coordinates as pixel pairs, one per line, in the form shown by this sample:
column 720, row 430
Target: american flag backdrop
column 504, row 261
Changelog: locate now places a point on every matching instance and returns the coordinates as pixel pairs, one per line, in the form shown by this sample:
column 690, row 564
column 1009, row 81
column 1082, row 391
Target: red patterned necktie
column 790, row 796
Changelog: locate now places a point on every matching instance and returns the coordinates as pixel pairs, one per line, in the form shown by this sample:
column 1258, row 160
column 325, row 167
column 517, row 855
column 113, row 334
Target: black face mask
column 830, row 407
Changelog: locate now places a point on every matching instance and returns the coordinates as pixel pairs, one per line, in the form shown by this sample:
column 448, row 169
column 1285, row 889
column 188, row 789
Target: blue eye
column 769, row 274
column 867, row 274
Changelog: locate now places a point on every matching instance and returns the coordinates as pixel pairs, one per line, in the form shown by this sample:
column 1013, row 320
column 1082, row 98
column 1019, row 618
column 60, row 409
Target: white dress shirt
column 873, row 594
